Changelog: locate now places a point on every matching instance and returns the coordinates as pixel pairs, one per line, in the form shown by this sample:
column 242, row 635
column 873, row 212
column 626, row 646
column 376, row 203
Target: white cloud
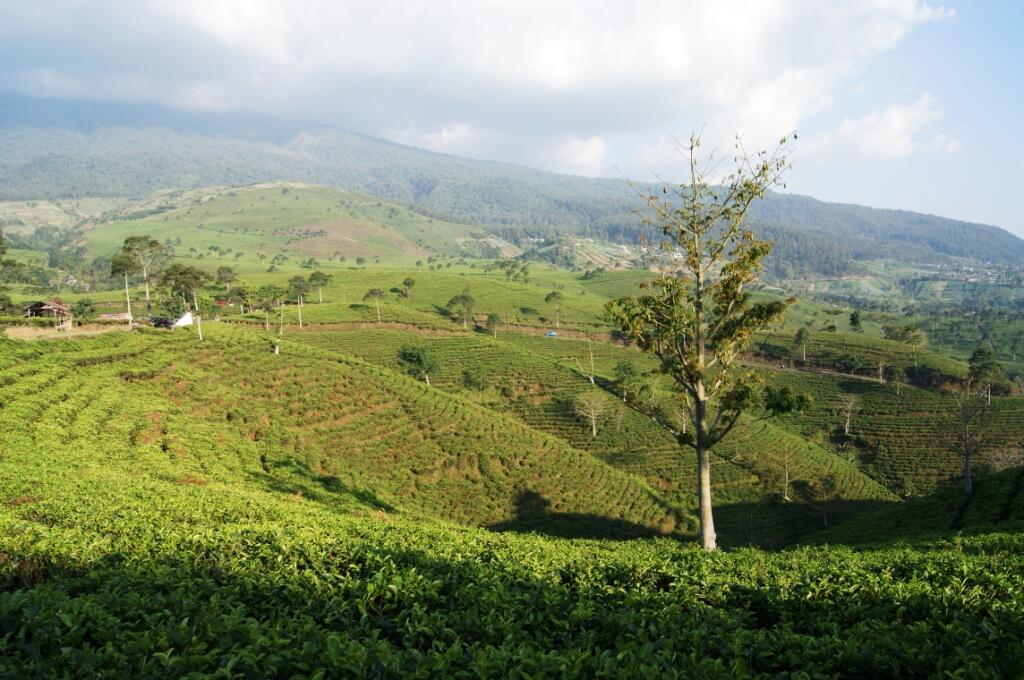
column 511, row 74
column 578, row 156
column 890, row 133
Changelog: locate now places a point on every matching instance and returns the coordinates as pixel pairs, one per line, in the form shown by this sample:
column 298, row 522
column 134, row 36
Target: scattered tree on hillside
column 319, row 280
column 418, row 361
column 184, row 282
column 589, row 406
column 697, row 314
column 851, row 406
column 800, row 339
column 855, row 324
column 626, row 377
column 493, row 321
column 555, row 298
column 83, row 310
column 407, row 284
column 123, row 265
column 898, row 377
column 146, row 252
column 590, row 353
column 298, row 286
column 881, row 365
column 985, row 370
column 375, row 294
column 462, row 305
column 970, row 420
column 226, row 276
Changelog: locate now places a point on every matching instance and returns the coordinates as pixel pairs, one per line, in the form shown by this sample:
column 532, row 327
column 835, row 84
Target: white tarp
column 185, row 320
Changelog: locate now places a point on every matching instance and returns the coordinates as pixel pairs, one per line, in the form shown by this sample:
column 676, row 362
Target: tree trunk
column 558, row 316
column 300, row 311
column 378, row 310
column 593, row 425
column 128, row 298
column 145, row 279
column 426, row 376
column 320, row 293
column 266, row 320
column 804, row 347
column 707, row 522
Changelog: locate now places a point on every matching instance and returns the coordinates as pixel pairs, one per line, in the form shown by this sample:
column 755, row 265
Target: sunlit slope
column 536, row 380
column 349, row 437
column 905, row 438
column 304, row 220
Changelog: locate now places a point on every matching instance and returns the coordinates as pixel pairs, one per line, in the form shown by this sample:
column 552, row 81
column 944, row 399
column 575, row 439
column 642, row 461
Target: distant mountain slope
column 59, row 148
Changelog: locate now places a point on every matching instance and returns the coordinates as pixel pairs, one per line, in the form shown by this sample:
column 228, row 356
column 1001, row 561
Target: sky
column 897, row 103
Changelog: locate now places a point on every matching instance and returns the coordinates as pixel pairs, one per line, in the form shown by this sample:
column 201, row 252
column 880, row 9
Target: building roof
column 55, row 307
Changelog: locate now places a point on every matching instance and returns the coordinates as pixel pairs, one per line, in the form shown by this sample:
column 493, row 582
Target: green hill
column 172, row 508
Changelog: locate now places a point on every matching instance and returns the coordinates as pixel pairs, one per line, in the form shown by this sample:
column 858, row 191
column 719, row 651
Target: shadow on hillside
column 534, row 515
column 295, row 479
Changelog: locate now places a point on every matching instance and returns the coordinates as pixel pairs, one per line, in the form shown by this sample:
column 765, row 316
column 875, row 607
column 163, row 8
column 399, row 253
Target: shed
column 53, row 309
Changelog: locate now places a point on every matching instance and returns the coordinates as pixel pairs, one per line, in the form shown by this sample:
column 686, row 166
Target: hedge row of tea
column 150, row 578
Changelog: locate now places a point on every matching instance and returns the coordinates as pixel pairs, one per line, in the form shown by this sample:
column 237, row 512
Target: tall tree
column 801, row 338
column 697, row 314
column 185, row 282
column 298, row 286
column 318, row 279
column 226, row 276
column 462, row 305
column 407, row 284
column 555, row 298
column 123, row 265
column 985, row 370
column 970, row 420
column 590, row 406
column 418, row 361
column 375, row 294
column 493, row 321
column 146, row 251
column 627, row 375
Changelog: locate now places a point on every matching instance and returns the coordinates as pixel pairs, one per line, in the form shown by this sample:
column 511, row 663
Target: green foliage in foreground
column 170, row 507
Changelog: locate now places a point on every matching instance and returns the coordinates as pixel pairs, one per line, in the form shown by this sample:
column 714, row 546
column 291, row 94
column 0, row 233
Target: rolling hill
column 60, row 149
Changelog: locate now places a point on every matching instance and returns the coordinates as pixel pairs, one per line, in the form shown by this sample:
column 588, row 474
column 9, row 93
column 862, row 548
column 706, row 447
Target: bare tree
column 851, row 406
column 590, row 352
column 970, row 419
column 589, row 406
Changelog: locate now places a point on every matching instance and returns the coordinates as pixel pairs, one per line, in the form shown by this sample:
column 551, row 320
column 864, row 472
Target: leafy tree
column 697, row 314
column 184, row 281
column 360, row 260
column 555, row 298
column 407, row 284
column 3, row 244
column 462, row 305
column 474, row 379
column 319, row 280
column 83, row 310
column 627, row 375
column 418, row 361
column 985, row 370
column 589, row 406
column 375, row 294
column 855, row 325
column 898, row 377
column 147, row 252
column 800, row 339
column 493, row 321
column 226, row 276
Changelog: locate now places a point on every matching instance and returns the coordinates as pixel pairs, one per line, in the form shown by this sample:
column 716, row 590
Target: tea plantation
column 172, row 508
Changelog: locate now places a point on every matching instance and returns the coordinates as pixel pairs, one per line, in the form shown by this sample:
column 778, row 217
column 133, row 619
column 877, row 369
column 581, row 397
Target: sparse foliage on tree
column 462, row 305
column 697, row 315
column 375, row 294
column 590, row 406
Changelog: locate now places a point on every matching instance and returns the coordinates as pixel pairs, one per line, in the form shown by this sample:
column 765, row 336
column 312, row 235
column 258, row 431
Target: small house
column 52, row 309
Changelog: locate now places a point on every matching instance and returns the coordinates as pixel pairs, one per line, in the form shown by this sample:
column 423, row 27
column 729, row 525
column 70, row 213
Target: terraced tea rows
column 907, row 440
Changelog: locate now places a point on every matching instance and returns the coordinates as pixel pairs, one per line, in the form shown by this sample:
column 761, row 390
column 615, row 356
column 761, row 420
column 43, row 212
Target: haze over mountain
column 52, row 148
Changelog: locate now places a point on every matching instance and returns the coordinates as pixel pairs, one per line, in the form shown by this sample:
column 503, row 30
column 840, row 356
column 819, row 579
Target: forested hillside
column 60, row 149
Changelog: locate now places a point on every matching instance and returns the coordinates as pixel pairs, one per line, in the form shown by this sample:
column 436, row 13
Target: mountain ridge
column 70, row 148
